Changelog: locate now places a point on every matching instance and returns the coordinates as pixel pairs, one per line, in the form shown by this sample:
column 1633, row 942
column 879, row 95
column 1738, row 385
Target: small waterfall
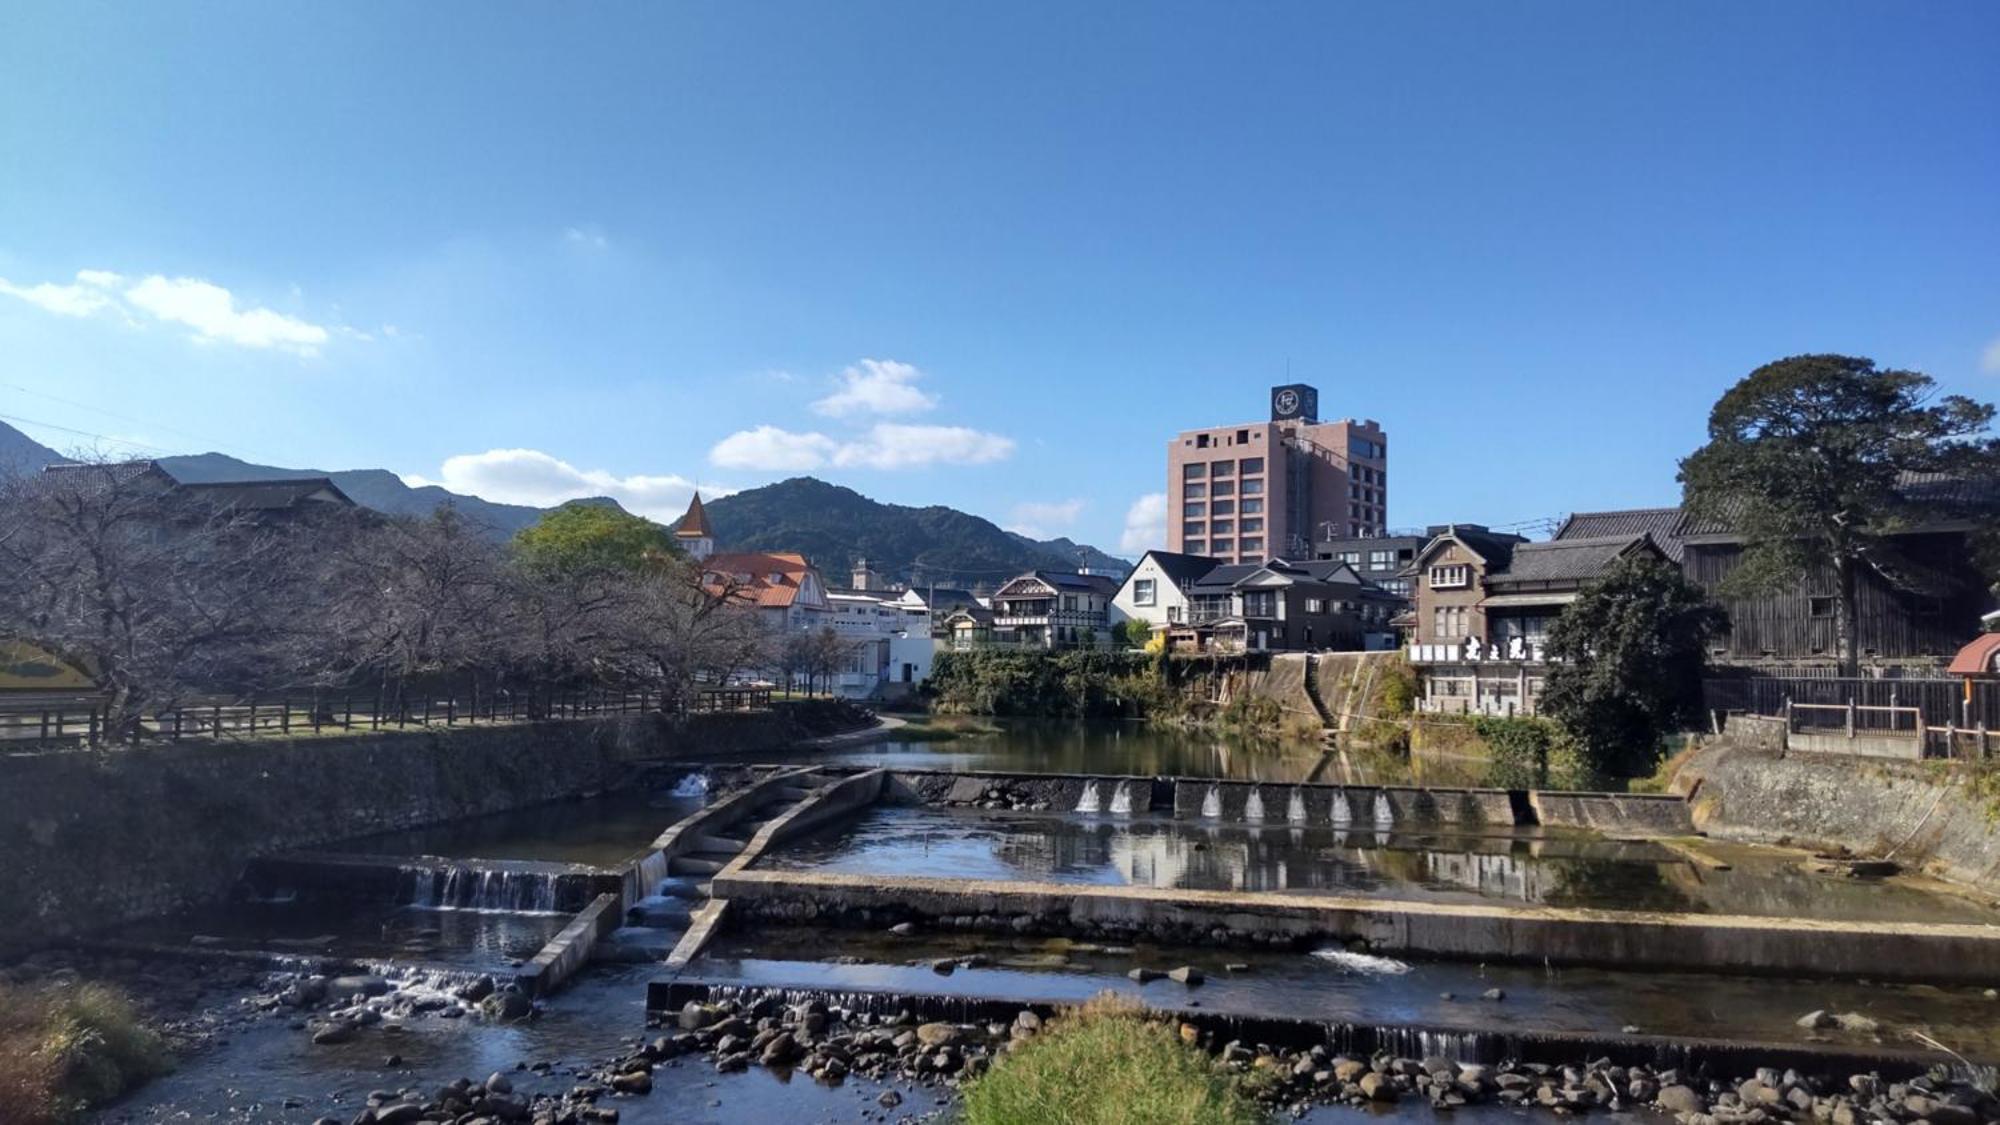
column 1295, row 810
column 1211, row 805
column 1089, row 802
column 693, row 785
column 1385, row 813
column 1121, row 800
column 462, row 887
column 1253, row 809
column 1343, row 813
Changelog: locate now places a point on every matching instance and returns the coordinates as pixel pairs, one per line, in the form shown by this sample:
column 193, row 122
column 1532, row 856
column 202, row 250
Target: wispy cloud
column 211, row 311
column 530, row 476
column 886, row 445
column 586, row 238
column 1145, row 524
column 1989, row 360
column 876, row 386
column 1044, row 520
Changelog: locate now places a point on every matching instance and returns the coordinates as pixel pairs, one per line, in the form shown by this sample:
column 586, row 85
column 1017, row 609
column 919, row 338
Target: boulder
column 1679, row 1099
column 1186, row 974
column 937, row 1034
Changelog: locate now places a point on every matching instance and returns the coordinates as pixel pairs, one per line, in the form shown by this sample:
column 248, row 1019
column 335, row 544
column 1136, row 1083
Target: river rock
column 1377, row 1087
column 1817, row 1019
column 1348, row 1070
column 498, row 1083
column 1186, row 974
column 402, row 1113
column 937, row 1034
column 1680, row 1099
column 781, row 1050
column 1494, row 994
column 1144, row 976
column 694, row 1017
column 340, row 1031
column 632, row 1082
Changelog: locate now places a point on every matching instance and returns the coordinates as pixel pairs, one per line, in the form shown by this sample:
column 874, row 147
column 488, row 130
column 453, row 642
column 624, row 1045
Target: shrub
column 65, row 1049
column 1107, row 1064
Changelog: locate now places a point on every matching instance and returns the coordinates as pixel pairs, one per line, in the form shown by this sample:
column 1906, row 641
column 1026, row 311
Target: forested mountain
column 379, row 489
column 836, row 526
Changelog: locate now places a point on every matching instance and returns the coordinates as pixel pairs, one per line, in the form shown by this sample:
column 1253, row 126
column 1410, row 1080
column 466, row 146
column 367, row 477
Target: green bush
column 66, row 1049
column 1107, row 1064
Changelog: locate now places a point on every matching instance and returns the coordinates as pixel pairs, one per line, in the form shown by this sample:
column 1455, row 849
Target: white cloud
column 772, row 449
column 207, row 308
column 1145, row 524
column 586, row 238
column 876, row 386
column 529, row 476
column 885, row 445
column 1039, row 520
column 1989, row 360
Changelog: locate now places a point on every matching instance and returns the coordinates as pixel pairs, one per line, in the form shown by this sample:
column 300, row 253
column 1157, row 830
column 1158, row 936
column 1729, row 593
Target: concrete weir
column 1938, row 953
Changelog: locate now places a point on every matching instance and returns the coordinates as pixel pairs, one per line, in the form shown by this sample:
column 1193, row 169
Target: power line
column 152, row 423
column 85, row 433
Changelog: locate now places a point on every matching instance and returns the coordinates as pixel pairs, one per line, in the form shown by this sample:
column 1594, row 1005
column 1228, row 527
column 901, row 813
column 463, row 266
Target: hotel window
column 1381, row 560
column 1452, row 576
column 1224, row 508
column 1250, row 546
column 1253, row 507
column 1193, row 509
column 1250, row 526
column 1194, row 491
column 1252, row 465
column 1195, row 547
column 1221, row 468
column 1243, row 437
column 1143, row 591
column 1253, row 488
column 1193, row 470
column 1224, row 487
column 1222, row 527
column 1192, row 527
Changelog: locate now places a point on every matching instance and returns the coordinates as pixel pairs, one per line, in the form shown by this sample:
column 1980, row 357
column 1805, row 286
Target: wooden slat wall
column 1892, row 624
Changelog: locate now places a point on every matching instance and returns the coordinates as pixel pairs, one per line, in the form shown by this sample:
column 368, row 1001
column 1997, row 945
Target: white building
column 1156, row 590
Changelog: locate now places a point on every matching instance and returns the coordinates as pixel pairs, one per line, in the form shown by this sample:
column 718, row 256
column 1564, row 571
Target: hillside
column 20, row 453
column 836, row 526
column 379, row 489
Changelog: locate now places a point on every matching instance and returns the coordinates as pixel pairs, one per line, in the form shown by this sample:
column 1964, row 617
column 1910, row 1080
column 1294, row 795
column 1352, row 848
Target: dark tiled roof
column 1943, row 497
column 266, row 495
column 1225, row 576
column 1066, row 580
column 1663, row 524
column 1183, row 569
column 1565, row 560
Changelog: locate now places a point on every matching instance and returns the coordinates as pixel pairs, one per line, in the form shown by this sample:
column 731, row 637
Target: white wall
column 1124, row 607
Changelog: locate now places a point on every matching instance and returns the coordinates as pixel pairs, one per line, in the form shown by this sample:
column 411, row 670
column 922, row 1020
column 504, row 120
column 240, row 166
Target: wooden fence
column 1942, row 716
column 82, row 721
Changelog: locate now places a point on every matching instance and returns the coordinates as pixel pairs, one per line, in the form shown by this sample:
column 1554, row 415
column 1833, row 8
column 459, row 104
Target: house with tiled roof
column 1054, row 609
column 1920, row 598
column 1156, row 590
column 783, row 587
column 1483, row 605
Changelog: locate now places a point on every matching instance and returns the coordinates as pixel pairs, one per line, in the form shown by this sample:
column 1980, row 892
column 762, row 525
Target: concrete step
column 791, row 794
column 698, row 864
column 721, row 844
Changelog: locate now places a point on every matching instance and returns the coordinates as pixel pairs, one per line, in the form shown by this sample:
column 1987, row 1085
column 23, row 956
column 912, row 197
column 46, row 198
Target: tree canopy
column 1625, row 663
column 1818, row 461
column 581, row 537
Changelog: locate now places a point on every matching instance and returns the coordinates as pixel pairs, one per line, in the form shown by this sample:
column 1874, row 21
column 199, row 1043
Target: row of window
column 1253, row 546
column 1377, row 560
column 1241, row 437
column 1366, row 475
column 1195, row 470
column 1199, row 491
column 1449, row 622
column 1196, row 529
column 1368, row 495
column 1362, row 447
column 1198, row 509
column 1448, row 576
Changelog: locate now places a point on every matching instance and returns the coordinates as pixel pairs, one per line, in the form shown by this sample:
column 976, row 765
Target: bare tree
column 159, row 594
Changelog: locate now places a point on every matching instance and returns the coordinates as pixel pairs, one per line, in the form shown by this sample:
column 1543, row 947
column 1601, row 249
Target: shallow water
column 1441, row 994
column 1506, row 865
column 602, row 831
column 475, row 940
column 1022, row 746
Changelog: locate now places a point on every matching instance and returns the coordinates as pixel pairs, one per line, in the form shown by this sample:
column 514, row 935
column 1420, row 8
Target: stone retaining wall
column 92, row 839
column 1922, row 814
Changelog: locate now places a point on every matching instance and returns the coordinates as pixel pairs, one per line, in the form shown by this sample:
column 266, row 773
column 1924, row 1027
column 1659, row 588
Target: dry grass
column 1107, row 1063
column 67, row 1048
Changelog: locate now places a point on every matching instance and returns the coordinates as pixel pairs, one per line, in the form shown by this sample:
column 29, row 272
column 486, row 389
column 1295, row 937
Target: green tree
column 1626, row 660
column 593, row 537
column 1811, row 460
column 1136, row 633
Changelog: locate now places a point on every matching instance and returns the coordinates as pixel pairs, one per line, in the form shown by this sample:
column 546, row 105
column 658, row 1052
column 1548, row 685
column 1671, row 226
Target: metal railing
column 1944, row 717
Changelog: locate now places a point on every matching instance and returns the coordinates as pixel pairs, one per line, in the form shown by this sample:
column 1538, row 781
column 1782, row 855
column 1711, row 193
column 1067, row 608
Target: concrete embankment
column 1941, row 953
column 94, row 839
column 1922, row 815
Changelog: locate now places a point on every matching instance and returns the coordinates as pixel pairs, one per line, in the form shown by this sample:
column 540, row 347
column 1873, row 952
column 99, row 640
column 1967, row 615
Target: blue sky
column 991, row 256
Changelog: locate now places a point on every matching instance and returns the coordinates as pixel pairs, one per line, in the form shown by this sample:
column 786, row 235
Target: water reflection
column 1404, row 862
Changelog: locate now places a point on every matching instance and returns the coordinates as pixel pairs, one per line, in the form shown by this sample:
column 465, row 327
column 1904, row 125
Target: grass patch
column 65, row 1049
column 942, row 728
column 1108, row 1064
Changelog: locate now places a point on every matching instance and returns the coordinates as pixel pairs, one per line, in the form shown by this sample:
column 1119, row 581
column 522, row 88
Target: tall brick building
column 1261, row 490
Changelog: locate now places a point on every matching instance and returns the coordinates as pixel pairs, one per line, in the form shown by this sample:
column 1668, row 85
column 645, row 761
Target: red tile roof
column 760, row 578
column 1976, row 659
column 694, row 525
